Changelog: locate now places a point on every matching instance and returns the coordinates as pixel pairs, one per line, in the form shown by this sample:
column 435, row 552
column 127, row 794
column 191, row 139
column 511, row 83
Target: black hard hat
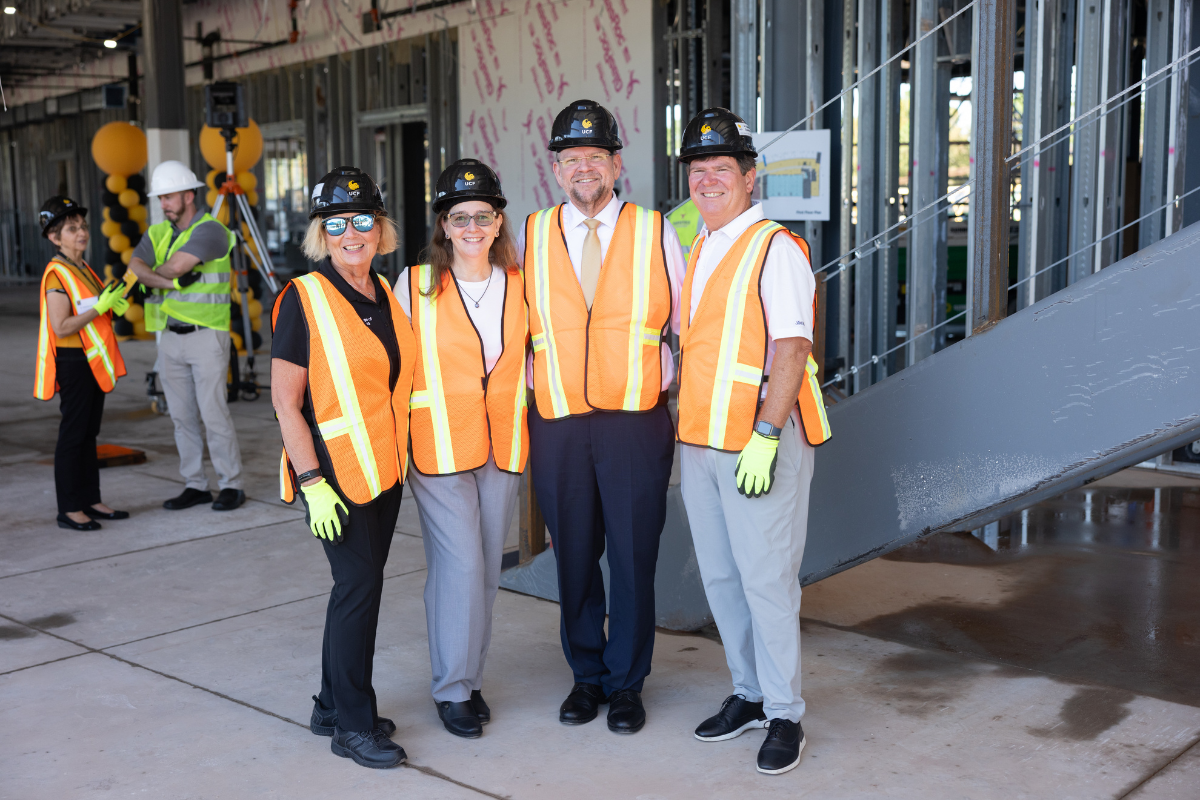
column 57, row 208
column 716, row 132
column 584, row 123
column 346, row 189
column 467, row 179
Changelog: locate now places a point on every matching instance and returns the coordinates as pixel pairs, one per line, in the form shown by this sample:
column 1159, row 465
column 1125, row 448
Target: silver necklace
column 476, row 300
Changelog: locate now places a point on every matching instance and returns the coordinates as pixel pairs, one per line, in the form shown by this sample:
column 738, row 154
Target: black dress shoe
column 460, row 719
column 582, row 704
column 481, row 708
column 229, row 499
column 94, row 514
column 625, row 712
column 324, row 720
column 737, row 715
column 190, row 497
column 780, row 751
column 66, row 522
column 367, row 748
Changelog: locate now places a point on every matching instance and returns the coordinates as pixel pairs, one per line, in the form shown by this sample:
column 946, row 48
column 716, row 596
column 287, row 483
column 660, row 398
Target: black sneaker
column 371, row 749
column 737, row 715
column 190, row 497
column 324, row 720
column 780, row 751
column 229, row 499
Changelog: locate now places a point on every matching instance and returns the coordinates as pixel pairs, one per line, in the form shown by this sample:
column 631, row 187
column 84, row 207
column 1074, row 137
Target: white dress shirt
column 787, row 285
column 574, row 231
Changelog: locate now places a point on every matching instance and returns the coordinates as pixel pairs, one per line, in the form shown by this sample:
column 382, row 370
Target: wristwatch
column 765, row 428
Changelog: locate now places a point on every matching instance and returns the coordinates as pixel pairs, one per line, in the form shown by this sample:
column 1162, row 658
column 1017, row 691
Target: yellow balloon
column 127, row 256
column 247, row 147
column 118, row 243
column 255, row 309
column 115, row 183
column 135, row 313
column 137, row 213
column 237, row 343
column 108, row 273
column 248, row 181
column 119, row 148
column 139, row 327
column 143, row 226
column 215, row 178
column 128, row 198
column 252, row 198
column 223, row 216
column 211, row 198
column 110, row 228
column 105, row 213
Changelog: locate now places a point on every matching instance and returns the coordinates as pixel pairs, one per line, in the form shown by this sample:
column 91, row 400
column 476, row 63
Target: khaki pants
column 194, row 368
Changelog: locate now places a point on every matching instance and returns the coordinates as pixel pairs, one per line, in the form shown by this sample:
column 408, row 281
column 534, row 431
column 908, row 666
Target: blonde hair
column 314, row 240
column 439, row 253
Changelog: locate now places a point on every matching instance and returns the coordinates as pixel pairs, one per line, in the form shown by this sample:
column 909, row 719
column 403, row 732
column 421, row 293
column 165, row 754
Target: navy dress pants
column 601, row 479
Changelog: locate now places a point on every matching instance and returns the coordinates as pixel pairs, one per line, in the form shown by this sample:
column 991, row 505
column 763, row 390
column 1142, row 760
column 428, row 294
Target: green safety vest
column 205, row 302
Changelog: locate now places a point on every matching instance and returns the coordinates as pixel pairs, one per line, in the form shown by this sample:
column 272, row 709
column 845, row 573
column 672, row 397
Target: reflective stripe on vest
column 360, row 423
column 99, row 342
column 460, row 413
column 722, row 357
column 205, row 302
column 607, row 358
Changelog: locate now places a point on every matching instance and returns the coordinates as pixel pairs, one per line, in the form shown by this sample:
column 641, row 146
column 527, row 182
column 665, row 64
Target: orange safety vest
column 362, row 424
column 723, row 350
column 608, row 358
column 99, row 343
column 460, row 412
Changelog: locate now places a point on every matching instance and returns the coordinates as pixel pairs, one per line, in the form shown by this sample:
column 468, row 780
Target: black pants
column 603, row 479
column 76, row 470
column 348, row 652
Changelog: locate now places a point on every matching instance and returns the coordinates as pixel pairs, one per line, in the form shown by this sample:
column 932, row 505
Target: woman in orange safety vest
column 469, row 437
column 78, row 359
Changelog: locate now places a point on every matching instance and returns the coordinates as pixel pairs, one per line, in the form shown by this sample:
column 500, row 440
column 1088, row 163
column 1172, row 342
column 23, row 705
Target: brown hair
column 745, row 161
column 439, row 254
column 316, row 249
column 58, row 225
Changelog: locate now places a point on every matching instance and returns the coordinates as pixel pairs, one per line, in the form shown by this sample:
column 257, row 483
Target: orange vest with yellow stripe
column 607, row 359
column 99, row 343
column 361, row 423
column 460, row 413
column 723, row 350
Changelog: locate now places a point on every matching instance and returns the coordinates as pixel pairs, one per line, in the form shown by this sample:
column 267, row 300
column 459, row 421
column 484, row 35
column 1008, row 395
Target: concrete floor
column 173, row 655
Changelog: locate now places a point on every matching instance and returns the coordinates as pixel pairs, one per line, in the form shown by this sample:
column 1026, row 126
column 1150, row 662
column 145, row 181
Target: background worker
column 185, row 261
column 601, row 280
column 342, row 359
column 77, row 358
column 469, row 433
column 747, row 455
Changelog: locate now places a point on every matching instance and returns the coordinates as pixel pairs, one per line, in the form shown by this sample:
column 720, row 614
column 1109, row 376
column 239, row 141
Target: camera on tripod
column 225, row 106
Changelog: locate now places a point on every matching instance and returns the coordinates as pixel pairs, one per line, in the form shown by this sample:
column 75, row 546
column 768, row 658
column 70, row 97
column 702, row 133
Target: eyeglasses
column 483, row 219
column 596, row 160
column 336, row 226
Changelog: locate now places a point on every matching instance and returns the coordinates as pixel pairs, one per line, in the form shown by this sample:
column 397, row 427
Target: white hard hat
column 172, row 176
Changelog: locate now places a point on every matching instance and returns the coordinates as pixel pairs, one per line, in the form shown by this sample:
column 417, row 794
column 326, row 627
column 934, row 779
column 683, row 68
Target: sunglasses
column 336, row 226
column 483, row 219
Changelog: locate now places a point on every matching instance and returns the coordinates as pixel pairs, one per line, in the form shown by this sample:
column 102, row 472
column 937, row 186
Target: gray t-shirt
column 210, row 240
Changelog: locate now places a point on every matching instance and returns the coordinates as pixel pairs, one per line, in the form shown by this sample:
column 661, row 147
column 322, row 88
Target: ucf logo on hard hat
column 587, row 123
column 468, row 178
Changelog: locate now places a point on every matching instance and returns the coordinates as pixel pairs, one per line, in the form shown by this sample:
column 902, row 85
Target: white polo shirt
column 787, row 285
column 574, row 231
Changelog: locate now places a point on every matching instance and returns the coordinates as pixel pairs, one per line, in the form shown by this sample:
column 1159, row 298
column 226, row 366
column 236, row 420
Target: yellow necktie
column 590, row 268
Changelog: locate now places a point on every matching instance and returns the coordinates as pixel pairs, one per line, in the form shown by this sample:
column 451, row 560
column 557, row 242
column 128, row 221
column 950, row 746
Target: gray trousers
column 194, row 368
column 749, row 553
column 464, row 521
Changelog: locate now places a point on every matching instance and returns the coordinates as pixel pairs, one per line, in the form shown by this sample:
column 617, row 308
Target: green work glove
column 186, row 279
column 756, row 465
column 120, row 307
column 324, row 512
column 108, row 298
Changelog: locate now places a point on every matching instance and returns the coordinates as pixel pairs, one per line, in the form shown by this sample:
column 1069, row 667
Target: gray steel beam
column 783, row 65
column 991, row 144
column 868, row 192
column 1110, row 163
column 744, row 60
column 923, row 227
column 162, row 22
column 1056, row 157
column 1154, row 120
column 845, row 220
column 887, row 269
column 1177, row 133
column 1086, row 150
column 1030, row 165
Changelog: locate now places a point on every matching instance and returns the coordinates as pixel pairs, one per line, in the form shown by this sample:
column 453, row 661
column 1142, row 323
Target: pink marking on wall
column 541, row 61
column 536, row 85
column 504, row 119
column 478, row 87
column 470, row 124
column 528, row 123
column 500, row 87
column 562, row 84
column 615, row 21
column 636, row 129
column 617, row 83
column 604, row 83
column 630, row 84
column 492, row 120
column 548, row 32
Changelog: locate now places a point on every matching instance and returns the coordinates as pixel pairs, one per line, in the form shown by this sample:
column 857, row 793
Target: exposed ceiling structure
column 47, row 37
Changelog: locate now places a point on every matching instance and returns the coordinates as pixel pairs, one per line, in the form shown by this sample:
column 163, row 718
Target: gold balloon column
column 119, row 149
column 248, row 147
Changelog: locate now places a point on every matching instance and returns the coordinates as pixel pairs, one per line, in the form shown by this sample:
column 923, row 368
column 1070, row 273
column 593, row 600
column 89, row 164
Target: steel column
column 845, row 221
column 1155, row 119
column 921, row 268
column 1177, row 130
column 814, row 97
column 1086, row 150
column 868, row 194
column 887, row 266
column 1110, row 163
column 744, row 60
column 1031, row 171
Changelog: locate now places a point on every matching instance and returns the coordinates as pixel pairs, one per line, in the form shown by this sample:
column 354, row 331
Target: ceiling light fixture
column 10, row 9
column 110, row 43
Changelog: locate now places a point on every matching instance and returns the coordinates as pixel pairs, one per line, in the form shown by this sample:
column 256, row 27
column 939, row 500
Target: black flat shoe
column 189, row 498
column 94, row 514
column 481, row 708
column 582, row 704
column 459, row 718
column 781, row 749
column 737, row 715
column 367, row 748
column 625, row 712
column 66, row 522
column 324, row 720
column 229, row 499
